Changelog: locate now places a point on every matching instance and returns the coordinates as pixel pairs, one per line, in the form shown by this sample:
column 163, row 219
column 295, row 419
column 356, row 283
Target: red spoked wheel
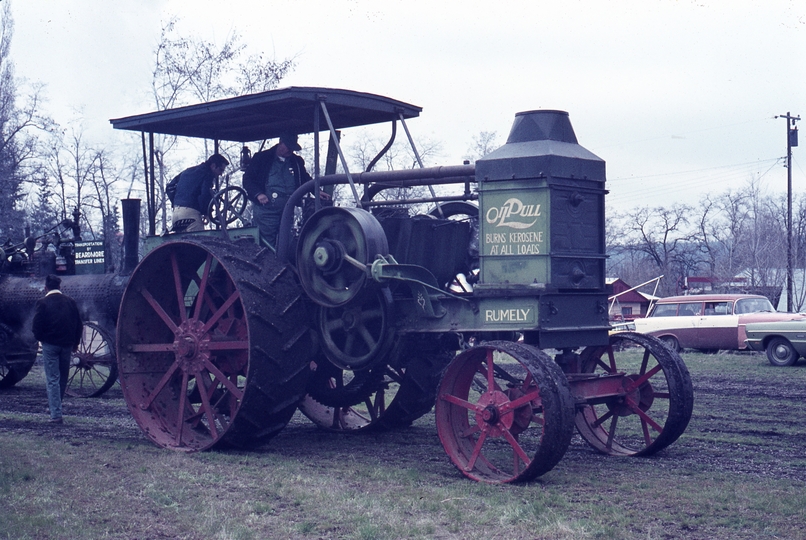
column 655, row 404
column 93, row 367
column 504, row 412
column 213, row 344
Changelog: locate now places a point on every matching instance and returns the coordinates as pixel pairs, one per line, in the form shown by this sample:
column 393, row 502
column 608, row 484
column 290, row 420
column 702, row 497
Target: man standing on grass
column 57, row 325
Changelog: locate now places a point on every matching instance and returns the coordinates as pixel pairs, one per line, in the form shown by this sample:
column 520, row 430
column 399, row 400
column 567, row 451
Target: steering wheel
column 230, row 203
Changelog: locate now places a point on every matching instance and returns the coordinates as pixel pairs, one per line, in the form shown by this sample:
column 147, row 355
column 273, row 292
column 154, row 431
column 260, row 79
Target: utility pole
column 791, row 140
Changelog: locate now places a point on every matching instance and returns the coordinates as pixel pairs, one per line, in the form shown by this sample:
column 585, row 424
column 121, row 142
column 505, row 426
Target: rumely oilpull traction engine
column 80, row 265
column 368, row 315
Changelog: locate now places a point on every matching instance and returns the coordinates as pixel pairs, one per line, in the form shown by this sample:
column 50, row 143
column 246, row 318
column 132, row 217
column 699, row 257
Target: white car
column 708, row 322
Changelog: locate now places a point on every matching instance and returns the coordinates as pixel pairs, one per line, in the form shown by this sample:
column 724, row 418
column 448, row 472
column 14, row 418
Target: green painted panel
column 514, row 239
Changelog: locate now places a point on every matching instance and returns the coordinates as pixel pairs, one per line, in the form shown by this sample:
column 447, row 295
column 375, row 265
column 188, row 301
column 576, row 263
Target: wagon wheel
column 93, row 367
column 358, row 334
column 230, row 203
column 658, row 399
column 389, row 396
column 221, row 321
column 504, row 412
column 333, row 252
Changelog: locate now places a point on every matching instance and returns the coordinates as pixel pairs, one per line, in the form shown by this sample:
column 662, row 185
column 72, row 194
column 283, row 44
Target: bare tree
column 662, row 236
column 483, row 143
column 188, row 69
column 18, row 127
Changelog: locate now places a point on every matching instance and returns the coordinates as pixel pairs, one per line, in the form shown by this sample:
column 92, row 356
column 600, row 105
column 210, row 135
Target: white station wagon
column 708, row 322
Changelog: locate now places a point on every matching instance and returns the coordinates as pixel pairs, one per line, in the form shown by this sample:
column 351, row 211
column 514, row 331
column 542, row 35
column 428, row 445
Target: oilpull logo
column 508, row 213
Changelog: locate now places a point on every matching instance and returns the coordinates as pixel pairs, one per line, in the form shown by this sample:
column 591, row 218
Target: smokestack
column 131, row 234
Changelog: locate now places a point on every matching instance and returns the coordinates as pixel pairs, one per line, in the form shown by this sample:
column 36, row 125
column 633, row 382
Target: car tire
column 671, row 343
column 781, row 353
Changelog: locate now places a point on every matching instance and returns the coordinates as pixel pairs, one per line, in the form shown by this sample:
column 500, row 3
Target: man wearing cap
column 269, row 180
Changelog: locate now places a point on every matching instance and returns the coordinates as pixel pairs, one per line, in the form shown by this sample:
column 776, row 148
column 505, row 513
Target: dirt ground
column 749, row 423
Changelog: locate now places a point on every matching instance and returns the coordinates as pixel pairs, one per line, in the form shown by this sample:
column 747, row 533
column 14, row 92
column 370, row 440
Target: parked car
column 784, row 341
column 708, row 322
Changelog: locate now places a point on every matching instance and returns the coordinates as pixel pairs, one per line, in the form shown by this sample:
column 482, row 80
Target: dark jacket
column 57, row 321
column 256, row 174
column 194, row 189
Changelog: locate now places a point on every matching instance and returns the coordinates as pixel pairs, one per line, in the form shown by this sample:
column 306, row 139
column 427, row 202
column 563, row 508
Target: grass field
column 739, row 472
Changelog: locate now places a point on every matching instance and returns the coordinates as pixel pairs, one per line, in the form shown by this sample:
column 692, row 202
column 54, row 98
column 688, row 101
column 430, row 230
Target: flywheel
column 335, row 248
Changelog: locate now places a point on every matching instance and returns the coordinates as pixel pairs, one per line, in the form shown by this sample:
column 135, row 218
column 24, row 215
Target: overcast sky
column 678, row 97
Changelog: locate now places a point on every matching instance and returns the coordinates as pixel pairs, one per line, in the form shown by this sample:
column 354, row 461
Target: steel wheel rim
column 517, row 422
column 657, row 404
column 184, row 344
column 93, row 367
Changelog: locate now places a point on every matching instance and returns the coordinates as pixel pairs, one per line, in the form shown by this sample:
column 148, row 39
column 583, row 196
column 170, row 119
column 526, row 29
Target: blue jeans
column 57, row 369
column 267, row 217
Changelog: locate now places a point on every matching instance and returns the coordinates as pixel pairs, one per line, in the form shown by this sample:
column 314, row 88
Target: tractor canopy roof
column 266, row 115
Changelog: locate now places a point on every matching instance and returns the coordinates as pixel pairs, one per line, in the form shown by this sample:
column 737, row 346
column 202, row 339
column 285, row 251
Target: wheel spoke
column 611, row 433
column 368, row 339
column 180, row 295
column 644, row 362
column 180, row 418
column 643, row 378
column 516, row 447
column 223, row 309
column 490, row 371
column 644, row 416
column 471, row 463
column 158, row 309
column 203, row 286
column 152, row 347
column 231, row 386
column 455, row 400
column 602, row 419
column 523, row 400
column 228, row 345
column 160, row 385
column 201, row 382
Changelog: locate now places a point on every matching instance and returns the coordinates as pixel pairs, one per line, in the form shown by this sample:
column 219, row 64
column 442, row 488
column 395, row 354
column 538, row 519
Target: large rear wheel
column 213, row 344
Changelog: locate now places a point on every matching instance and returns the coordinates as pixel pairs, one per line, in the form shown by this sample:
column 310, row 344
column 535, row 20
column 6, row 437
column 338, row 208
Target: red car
column 708, row 322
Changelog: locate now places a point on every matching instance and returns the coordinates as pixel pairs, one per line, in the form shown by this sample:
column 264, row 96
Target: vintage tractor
column 366, row 315
column 81, row 267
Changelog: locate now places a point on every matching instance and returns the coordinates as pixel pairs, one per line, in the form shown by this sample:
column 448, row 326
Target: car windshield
column 753, row 305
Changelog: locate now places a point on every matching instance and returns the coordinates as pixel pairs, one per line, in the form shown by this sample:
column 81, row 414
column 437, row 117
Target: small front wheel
column 653, row 409
column 780, row 352
column 504, row 412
